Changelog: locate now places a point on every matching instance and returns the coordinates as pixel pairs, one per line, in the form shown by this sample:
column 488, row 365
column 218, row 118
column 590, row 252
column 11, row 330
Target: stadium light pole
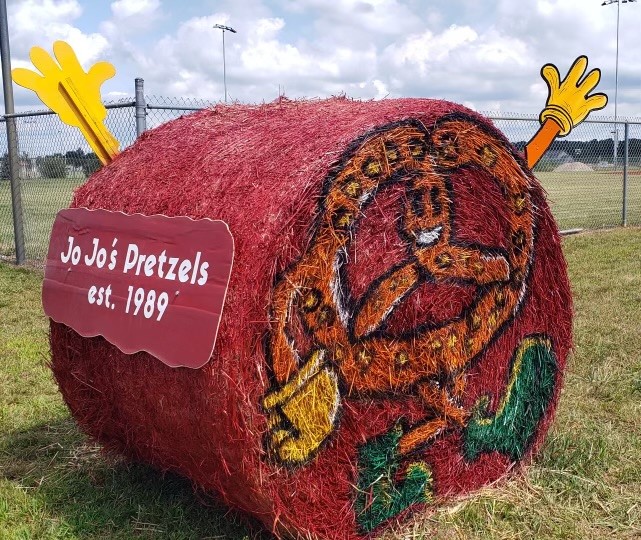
column 230, row 29
column 616, row 76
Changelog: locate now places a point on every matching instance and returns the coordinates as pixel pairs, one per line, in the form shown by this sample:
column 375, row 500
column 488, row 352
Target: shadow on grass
column 79, row 492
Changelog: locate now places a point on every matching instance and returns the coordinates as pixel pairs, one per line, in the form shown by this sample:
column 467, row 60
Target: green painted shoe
column 380, row 495
column 528, row 394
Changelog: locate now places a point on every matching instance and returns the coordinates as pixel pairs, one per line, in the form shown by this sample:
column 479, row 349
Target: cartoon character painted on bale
column 327, row 345
column 350, row 346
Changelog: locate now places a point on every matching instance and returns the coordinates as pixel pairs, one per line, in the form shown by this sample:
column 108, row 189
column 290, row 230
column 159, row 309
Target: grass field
column 42, row 198
column 586, row 484
column 589, row 200
column 592, row 200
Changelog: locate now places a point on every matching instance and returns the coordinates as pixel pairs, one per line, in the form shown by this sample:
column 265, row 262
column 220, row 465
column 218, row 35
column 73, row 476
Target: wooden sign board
column 144, row 283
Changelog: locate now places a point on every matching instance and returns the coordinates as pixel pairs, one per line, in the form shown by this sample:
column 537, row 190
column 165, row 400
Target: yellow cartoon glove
column 568, row 101
column 66, row 89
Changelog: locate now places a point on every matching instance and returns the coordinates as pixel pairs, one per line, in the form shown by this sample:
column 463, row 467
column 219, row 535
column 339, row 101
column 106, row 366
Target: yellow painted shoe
column 302, row 412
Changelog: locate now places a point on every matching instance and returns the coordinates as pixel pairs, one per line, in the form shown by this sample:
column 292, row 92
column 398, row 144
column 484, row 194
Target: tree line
column 73, row 162
column 592, row 152
column 76, row 162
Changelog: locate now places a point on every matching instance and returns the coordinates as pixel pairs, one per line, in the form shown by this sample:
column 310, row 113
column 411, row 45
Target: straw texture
column 397, row 321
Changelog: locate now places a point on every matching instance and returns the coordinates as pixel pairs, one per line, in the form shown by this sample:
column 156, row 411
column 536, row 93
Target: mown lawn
column 592, row 199
column 585, row 484
column 53, row 482
column 42, row 198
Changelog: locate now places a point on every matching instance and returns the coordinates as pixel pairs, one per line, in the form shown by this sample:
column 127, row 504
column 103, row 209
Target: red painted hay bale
column 403, row 246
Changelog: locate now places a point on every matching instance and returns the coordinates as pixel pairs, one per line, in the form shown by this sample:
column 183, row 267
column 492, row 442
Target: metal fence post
column 624, row 217
column 141, row 107
column 12, row 136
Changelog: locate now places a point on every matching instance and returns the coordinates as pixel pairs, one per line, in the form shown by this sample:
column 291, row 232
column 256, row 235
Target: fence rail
column 592, row 178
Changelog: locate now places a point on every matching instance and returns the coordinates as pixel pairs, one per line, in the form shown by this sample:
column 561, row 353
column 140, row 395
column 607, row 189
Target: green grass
column 592, row 199
column 42, row 198
column 586, row 483
column 54, row 484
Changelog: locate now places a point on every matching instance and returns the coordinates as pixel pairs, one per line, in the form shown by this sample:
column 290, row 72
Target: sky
column 486, row 55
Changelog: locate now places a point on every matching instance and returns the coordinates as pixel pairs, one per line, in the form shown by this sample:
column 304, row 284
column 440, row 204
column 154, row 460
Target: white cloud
column 379, row 17
column 265, row 55
column 460, row 63
column 421, row 50
column 131, row 17
column 259, row 60
column 30, row 13
column 41, row 22
column 381, row 89
column 123, row 9
column 488, row 55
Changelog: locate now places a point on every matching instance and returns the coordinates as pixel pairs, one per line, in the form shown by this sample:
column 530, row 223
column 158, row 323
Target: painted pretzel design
column 352, row 355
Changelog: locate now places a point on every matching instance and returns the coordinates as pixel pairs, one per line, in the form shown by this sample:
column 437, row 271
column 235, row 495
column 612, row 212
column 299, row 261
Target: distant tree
column 75, row 158
column 52, row 166
column 4, row 167
column 591, row 152
column 90, row 163
column 635, row 151
column 545, row 165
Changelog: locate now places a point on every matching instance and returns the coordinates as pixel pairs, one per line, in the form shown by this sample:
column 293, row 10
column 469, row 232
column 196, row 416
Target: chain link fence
column 593, row 176
column 633, row 176
column 54, row 159
column 589, row 182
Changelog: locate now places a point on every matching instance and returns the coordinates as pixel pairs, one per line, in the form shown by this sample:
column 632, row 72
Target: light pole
column 616, row 76
column 230, row 29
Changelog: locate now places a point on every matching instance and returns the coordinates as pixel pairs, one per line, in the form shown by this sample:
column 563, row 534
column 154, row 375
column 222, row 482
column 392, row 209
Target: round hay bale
column 397, row 321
